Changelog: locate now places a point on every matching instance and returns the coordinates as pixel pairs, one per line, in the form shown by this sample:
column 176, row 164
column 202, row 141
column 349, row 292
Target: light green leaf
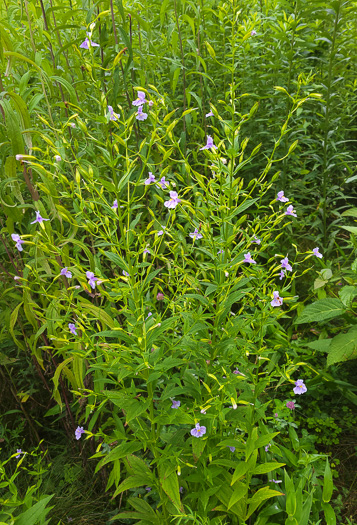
column 321, row 311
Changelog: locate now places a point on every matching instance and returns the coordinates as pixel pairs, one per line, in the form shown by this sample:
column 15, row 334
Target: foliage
column 144, row 313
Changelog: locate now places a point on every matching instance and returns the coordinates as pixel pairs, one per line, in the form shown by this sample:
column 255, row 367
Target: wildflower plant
column 178, row 352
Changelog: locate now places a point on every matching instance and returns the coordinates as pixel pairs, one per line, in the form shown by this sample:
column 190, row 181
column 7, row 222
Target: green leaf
column 133, row 482
column 119, row 452
column 240, row 490
column 321, row 345
column 258, row 498
column 328, row 483
column 267, row 467
column 241, row 469
column 351, row 229
column 330, row 515
column 343, row 347
column 170, row 485
column 321, row 311
column 34, row 514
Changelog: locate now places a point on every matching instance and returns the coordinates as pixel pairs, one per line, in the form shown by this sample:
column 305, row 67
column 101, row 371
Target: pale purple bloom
column 91, row 279
column 125, row 273
column 16, row 277
column 291, row 405
column 277, row 301
column 140, row 100
column 19, row 452
column 175, row 404
column 285, row 264
column 220, row 251
column 181, row 490
column 161, row 232
column 267, row 447
column 282, row 274
column 58, row 158
column 196, row 235
column 87, row 43
column 39, row 219
column 151, row 103
column 19, row 157
column 163, row 183
column 66, row 272
column 150, row 179
column 112, row 115
column 232, row 449
column 236, row 371
column 140, row 114
column 160, row 296
column 72, row 328
column 146, row 251
column 17, row 239
column 248, row 259
column 115, row 205
column 276, row 480
column 210, row 114
column 198, row 431
column 174, row 200
column 256, row 240
column 290, row 211
column 276, row 414
column 203, row 411
column 148, row 489
column 78, row 433
column 149, row 315
column 280, row 197
column 300, row 388
column 209, row 144
column 253, row 33
column 316, row 252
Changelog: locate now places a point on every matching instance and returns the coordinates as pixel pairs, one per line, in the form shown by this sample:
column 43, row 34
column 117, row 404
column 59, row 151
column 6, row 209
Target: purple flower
column 209, row 144
column 39, row 218
column 291, row 405
column 267, row 447
column 174, row 200
column 181, row 490
column 253, row 33
column 87, row 43
column 280, row 197
column 277, row 301
column 290, row 211
column 315, row 251
column 203, row 411
column 300, row 388
column 276, row 414
column 149, row 315
column 151, row 103
column 78, row 433
column 125, row 273
column 58, row 158
column 66, row 272
column 220, row 251
column 72, row 328
column 19, row 452
column 19, row 157
column 196, row 235
column 115, row 205
column 282, row 274
column 198, row 431
column 285, row 264
column 160, row 296
column 163, row 183
column 232, row 449
column 91, row 279
column 140, row 100
column 112, row 115
column 175, row 404
column 160, row 232
column 150, row 179
column 148, row 489
column 256, row 240
column 276, row 480
column 146, row 251
column 17, row 239
column 210, row 114
column 248, row 259
column 140, row 114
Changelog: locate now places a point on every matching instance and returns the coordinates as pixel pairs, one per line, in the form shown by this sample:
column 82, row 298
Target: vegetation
column 178, row 262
